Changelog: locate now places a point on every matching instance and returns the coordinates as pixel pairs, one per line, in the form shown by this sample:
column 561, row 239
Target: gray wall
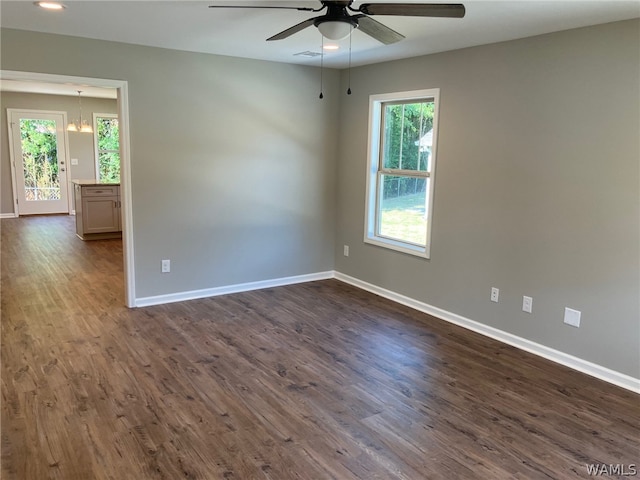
column 233, row 160
column 236, row 176
column 80, row 144
column 537, row 189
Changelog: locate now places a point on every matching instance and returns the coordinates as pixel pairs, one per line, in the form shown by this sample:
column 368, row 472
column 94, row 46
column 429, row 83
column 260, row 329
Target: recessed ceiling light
column 51, row 5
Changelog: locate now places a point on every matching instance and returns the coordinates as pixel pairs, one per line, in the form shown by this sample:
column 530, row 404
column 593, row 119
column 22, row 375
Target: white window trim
column 95, row 140
column 373, row 156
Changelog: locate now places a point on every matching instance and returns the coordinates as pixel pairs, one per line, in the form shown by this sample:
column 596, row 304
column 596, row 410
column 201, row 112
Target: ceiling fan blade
column 377, row 30
column 291, row 30
column 303, row 9
column 451, row 10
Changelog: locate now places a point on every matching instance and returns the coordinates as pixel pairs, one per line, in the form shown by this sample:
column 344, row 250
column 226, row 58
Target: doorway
column 38, row 161
column 121, row 88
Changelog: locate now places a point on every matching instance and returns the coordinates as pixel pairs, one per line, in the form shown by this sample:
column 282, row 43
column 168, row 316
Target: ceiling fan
column 337, row 23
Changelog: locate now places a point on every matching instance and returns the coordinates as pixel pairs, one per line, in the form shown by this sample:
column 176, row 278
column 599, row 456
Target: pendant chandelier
column 79, row 125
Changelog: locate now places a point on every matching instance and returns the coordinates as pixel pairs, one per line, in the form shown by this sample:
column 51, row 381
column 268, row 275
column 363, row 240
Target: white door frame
column 63, row 152
column 122, row 89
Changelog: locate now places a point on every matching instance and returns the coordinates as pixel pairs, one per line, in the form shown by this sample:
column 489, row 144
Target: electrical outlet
column 346, row 250
column 527, row 304
column 495, row 294
column 166, row 266
column 572, row 317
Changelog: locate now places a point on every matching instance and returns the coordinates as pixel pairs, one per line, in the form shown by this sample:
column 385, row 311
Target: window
column 401, row 168
column 107, row 141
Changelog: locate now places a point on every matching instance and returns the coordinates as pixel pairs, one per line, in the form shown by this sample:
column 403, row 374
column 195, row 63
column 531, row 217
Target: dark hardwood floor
column 311, row 381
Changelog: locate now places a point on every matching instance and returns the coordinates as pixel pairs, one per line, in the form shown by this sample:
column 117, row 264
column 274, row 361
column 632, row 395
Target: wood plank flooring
column 311, row 381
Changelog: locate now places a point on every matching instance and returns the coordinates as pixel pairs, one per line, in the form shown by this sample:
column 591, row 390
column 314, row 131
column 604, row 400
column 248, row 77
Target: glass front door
column 39, row 162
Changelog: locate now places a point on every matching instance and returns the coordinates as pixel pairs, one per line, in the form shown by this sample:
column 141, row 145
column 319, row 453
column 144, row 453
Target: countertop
column 92, row 182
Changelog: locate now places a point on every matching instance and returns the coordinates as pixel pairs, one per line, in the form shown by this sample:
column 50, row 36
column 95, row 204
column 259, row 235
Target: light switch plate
column 527, row 304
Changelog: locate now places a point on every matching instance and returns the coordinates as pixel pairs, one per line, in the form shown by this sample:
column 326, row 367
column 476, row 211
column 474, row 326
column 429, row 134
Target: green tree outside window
column 108, row 139
column 40, row 159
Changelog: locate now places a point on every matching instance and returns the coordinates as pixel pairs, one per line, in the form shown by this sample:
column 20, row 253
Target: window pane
column 402, row 209
column 407, row 135
column 40, row 159
column 109, row 167
column 108, row 149
column 108, row 134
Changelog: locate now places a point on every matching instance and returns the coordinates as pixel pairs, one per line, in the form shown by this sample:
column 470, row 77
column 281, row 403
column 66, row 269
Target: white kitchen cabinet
column 98, row 210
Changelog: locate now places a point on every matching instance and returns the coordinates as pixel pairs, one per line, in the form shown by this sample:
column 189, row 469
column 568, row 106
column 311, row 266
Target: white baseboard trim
column 8, row 215
column 611, row 376
column 584, row 366
column 225, row 290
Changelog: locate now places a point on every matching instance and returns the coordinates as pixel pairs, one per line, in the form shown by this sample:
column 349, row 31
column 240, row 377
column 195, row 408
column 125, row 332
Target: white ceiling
column 192, row 26
column 57, row 89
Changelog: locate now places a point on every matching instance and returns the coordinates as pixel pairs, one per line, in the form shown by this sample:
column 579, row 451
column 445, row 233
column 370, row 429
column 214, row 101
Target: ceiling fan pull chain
column 321, row 96
column 350, row 35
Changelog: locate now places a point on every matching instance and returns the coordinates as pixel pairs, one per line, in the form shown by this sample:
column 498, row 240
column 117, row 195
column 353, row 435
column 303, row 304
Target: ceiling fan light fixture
column 335, row 30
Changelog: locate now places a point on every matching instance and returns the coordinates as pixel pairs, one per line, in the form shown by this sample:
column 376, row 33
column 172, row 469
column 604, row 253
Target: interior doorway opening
column 121, row 88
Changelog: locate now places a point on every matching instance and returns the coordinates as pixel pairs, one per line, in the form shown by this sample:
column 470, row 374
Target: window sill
column 414, row 250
